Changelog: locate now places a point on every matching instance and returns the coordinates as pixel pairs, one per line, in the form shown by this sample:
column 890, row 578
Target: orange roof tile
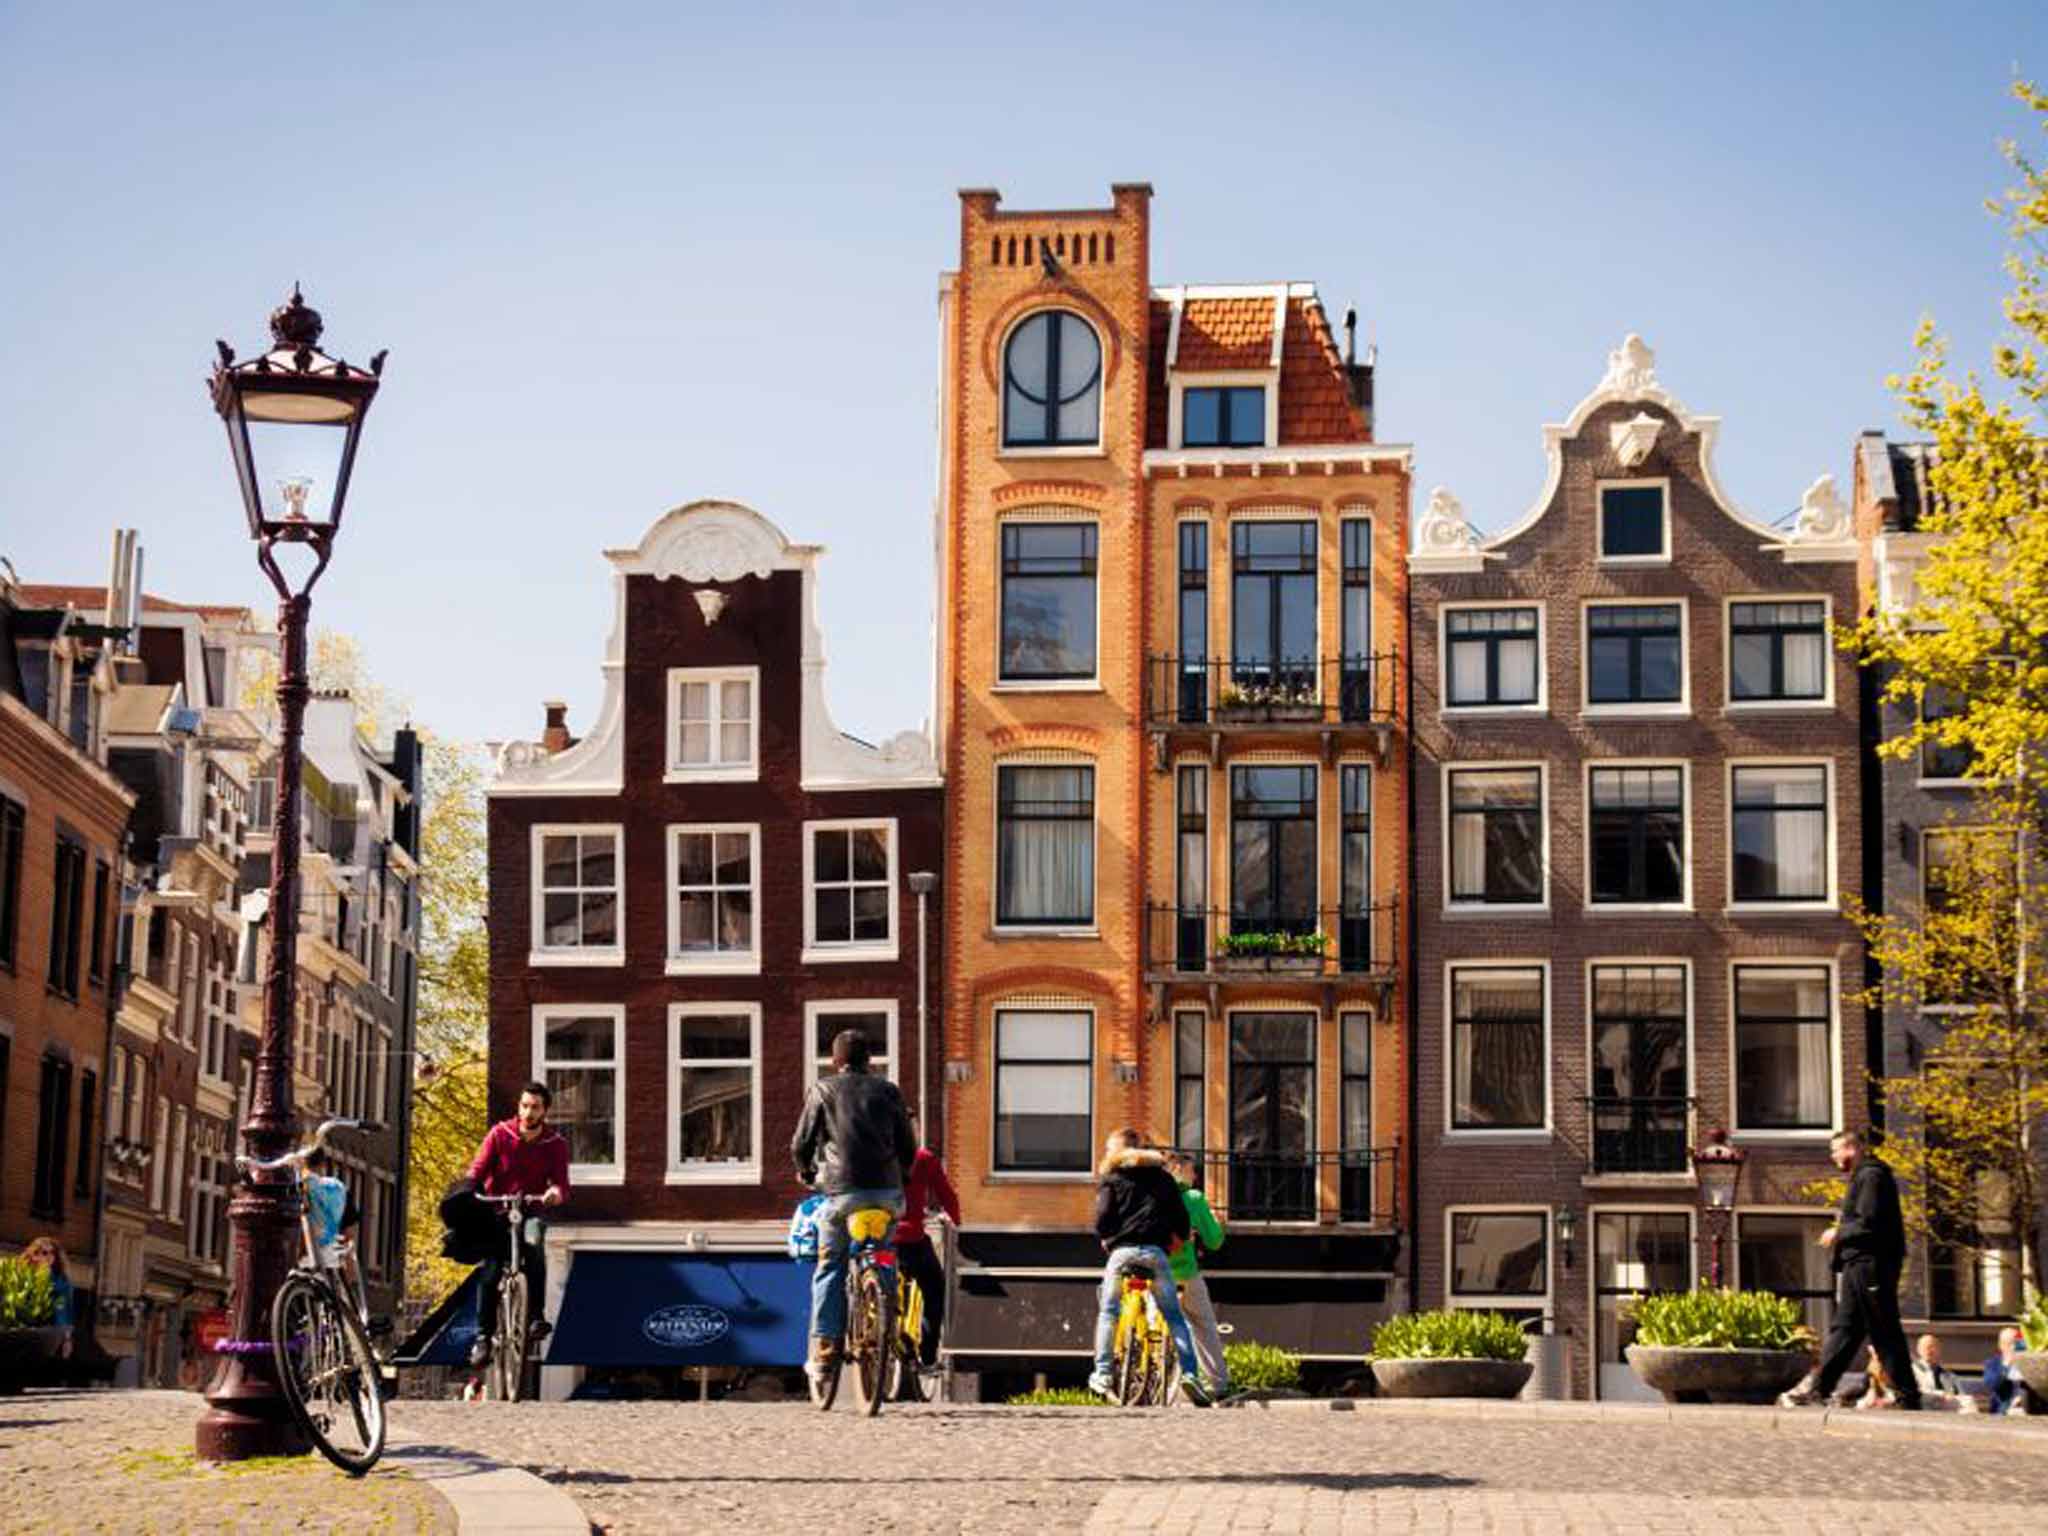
column 1315, row 396
column 94, row 600
column 1225, row 333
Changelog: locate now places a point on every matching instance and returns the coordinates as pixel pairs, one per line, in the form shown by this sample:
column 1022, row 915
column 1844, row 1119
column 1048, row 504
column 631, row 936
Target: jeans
column 1111, row 1293
column 1201, row 1313
column 828, row 1285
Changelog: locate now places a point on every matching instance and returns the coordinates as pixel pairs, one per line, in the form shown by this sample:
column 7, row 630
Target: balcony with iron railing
column 1211, row 944
column 1288, row 696
column 1639, row 1135
column 1358, row 1186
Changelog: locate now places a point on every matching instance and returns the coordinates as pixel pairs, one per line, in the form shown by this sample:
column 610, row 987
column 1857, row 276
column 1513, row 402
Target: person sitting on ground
column 1205, row 1232
column 928, row 1189
column 2000, row 1382
column 1878, row 1391
column 1928, row 1370
column 1139, row 1218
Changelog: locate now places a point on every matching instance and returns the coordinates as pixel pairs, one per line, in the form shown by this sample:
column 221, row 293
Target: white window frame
column 997, row 926
column 1735, row 706
column 1631, row 709
column 537, row 1064
column 543, row 953
column 1831, row 779
column 717, row 772
column 1634, row 908
column 1594, row 1211
column 1178, row 384
column 722, row 962
column 1738, row 1132
column 1046, row 517
column 1525, row 1134
column 1445, row 707
column 828, row 1007
column 1600, row 489
column 1506, row 910
column 997, row 1174
column 1099, row 449
column 733, row 1173
column 1488, row 1301
column 1687, row 1178
column 821, row 952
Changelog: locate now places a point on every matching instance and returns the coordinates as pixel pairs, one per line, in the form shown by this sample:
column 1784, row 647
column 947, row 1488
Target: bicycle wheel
column 870, row 1321
column 906, row 1385
column 329, row 1372
column 508, row 1349
column 1131, row 1364
column 1163, row 1364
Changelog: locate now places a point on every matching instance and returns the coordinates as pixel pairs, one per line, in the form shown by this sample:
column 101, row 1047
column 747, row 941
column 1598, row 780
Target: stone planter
column 1281, row 965
column 1450, row 1378
column 24, row 1352
column 2031, row 1366
column 1719, row 1375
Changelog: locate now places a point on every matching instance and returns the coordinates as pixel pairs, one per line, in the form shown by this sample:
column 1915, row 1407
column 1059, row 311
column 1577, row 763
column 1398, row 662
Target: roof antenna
column 1350, row 334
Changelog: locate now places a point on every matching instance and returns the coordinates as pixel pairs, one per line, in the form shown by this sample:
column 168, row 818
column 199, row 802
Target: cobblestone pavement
column 764, row 1469
column 122, row 1462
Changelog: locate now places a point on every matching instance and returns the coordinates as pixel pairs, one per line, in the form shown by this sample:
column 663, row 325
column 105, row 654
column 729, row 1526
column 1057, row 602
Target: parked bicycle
column 332, row 1376
column 1144, row 1364
column 905, row 1377
column 873, row 1284
column 504, row 1377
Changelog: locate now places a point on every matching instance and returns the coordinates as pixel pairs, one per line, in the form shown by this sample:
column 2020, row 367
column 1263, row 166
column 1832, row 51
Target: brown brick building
column 685, row 906
column 1637, row 782
column 1171, row 587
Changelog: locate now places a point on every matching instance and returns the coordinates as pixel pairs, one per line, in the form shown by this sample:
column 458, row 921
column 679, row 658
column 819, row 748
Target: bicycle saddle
column 870, row 1224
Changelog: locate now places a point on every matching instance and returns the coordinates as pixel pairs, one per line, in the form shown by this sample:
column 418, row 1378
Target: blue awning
column 444, row 1336
column 683, row 1309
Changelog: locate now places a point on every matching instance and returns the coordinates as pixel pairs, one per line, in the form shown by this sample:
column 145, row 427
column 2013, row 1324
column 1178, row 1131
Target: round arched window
column 1052, row 382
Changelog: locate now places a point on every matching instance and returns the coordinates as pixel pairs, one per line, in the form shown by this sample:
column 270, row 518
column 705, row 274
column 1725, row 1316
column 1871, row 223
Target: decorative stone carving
column 711, row 603
column 1633, row 439
column 1631, row 368
column 909, row 749
column 515, row 755
column 1823, row 518
column 1443, row 529
column 707, row 541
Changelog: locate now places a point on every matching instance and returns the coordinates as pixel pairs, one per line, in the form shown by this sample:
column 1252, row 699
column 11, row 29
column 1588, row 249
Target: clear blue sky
column 626, row 256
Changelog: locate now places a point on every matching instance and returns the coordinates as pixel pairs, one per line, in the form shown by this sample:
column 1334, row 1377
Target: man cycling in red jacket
column 520, row 1156
column 926, row 1189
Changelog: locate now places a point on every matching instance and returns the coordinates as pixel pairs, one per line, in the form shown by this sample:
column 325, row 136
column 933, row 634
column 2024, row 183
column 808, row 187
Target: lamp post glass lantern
column 294, row 416
column 1718, row 1166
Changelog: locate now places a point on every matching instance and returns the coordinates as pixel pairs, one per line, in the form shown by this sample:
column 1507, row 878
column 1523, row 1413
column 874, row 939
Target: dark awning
column 683, row 1309
column 444, row 1336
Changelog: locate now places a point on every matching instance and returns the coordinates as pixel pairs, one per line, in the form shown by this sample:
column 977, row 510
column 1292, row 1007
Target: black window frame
column 1778, row 632
column 1939, row 763
column 53, row 1132
column 1631, row 636
column 1737, row 811
column 1192, row 620
column 1608, row 518
column 88, row 1098
column 1488, row 815
column 67, row 914
column 1637, row 826
column 1538, row 1022
column 1191, row 871
column 1279, row 910
column 1051, row 403
column 1081, row 567
column 1818, row 1300
column 1281, row 572
column 1491, row 639
column 1007, row 805
column 1240, row 416
column 1824, row 1022
column 13, row 842
column 1461, row 1216
column 1191, row 1075
column 1085, row 1162
column 1271, row 1180
column 102, row 884
column 1354, row 859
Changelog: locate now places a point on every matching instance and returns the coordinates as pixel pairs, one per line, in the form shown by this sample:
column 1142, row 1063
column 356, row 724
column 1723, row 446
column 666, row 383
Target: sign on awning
column 655, row 1309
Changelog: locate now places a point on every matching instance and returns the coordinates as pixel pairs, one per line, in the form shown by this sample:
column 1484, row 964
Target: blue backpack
column 803, row 1229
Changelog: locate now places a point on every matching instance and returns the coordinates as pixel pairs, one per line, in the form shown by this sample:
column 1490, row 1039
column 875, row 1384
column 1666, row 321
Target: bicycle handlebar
column 299, row 1155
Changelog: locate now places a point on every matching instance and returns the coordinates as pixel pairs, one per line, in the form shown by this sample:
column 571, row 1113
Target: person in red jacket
column 521, row 1156
column 926, row 1189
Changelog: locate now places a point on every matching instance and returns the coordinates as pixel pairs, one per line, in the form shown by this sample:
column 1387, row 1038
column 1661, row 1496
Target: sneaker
column 824, row 1354
column 1196, row 1393
column 1801, row 1396
column 480, row 1351
column 1102, row 1387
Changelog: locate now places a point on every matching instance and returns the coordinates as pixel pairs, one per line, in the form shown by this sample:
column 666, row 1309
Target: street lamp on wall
column 1718, row 1166
column 1567, row 1229
column 294, row 417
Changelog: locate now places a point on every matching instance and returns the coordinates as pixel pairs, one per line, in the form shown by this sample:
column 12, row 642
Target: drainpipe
column 923, row 882
column 1414, row 1169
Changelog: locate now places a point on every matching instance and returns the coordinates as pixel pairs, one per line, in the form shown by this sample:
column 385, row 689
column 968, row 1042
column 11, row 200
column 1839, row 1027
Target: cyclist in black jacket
column 854, row 1143
column 1140, row 1218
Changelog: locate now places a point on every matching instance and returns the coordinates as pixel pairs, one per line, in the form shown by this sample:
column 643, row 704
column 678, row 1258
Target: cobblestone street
column 765, row 1469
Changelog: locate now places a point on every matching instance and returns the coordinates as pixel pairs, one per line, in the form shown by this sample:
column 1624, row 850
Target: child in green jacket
column 1194, row 1290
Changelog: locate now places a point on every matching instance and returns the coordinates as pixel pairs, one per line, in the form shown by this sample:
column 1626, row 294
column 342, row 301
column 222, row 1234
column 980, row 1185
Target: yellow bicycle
column 1143, row 1360
column 905, row 1385
column 871, row 1330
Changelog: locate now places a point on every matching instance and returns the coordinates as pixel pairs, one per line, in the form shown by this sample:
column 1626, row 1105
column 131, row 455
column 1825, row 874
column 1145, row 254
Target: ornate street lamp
column 1567, row 1229
column 1718, row 1167
column 294, row 416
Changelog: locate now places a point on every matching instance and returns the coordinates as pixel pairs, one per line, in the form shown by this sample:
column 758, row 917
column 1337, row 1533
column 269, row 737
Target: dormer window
column 1052, row 383
column 1223, row 417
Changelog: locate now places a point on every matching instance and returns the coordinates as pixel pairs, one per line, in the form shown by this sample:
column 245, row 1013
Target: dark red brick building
column 1637, row 790
column 686, row 904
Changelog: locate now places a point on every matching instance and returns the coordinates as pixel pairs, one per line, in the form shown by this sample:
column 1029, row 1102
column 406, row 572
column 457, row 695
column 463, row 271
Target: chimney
column 556, row 736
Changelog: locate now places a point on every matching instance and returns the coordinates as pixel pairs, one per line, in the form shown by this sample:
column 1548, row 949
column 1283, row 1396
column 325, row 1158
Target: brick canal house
column 1967, row 1288
column 686, row 905
column 63, row 818
column 1171, row 591
column 1637, row 783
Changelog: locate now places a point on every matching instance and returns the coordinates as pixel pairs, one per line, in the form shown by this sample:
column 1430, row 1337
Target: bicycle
column 905, row 1378
column 332, row 1377
column 1144, row 1362
column 504, row 1376
column 870, row 1313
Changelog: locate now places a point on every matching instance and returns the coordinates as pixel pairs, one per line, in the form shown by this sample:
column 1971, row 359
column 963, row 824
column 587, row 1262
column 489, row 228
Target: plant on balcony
column 1272, row 700
column 1291, row 951
column 1450, row 1354
column 1261, row 1367
column 1718, row 1344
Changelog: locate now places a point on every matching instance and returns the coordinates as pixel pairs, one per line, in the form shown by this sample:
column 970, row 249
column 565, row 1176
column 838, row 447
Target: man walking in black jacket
column 854, row 1144
column 1868, row 1243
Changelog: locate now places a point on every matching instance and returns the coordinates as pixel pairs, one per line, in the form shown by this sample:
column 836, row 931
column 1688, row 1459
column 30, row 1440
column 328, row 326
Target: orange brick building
column 1170, row 701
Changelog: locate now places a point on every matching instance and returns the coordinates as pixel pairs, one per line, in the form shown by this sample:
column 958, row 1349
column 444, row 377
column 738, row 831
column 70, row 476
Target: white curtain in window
column 1816, row 1106
column 1517, row 670
column 1801, row 852
column 1805, row 660
column 1468, row 856
column 1048, row 862
column 1468, row 673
